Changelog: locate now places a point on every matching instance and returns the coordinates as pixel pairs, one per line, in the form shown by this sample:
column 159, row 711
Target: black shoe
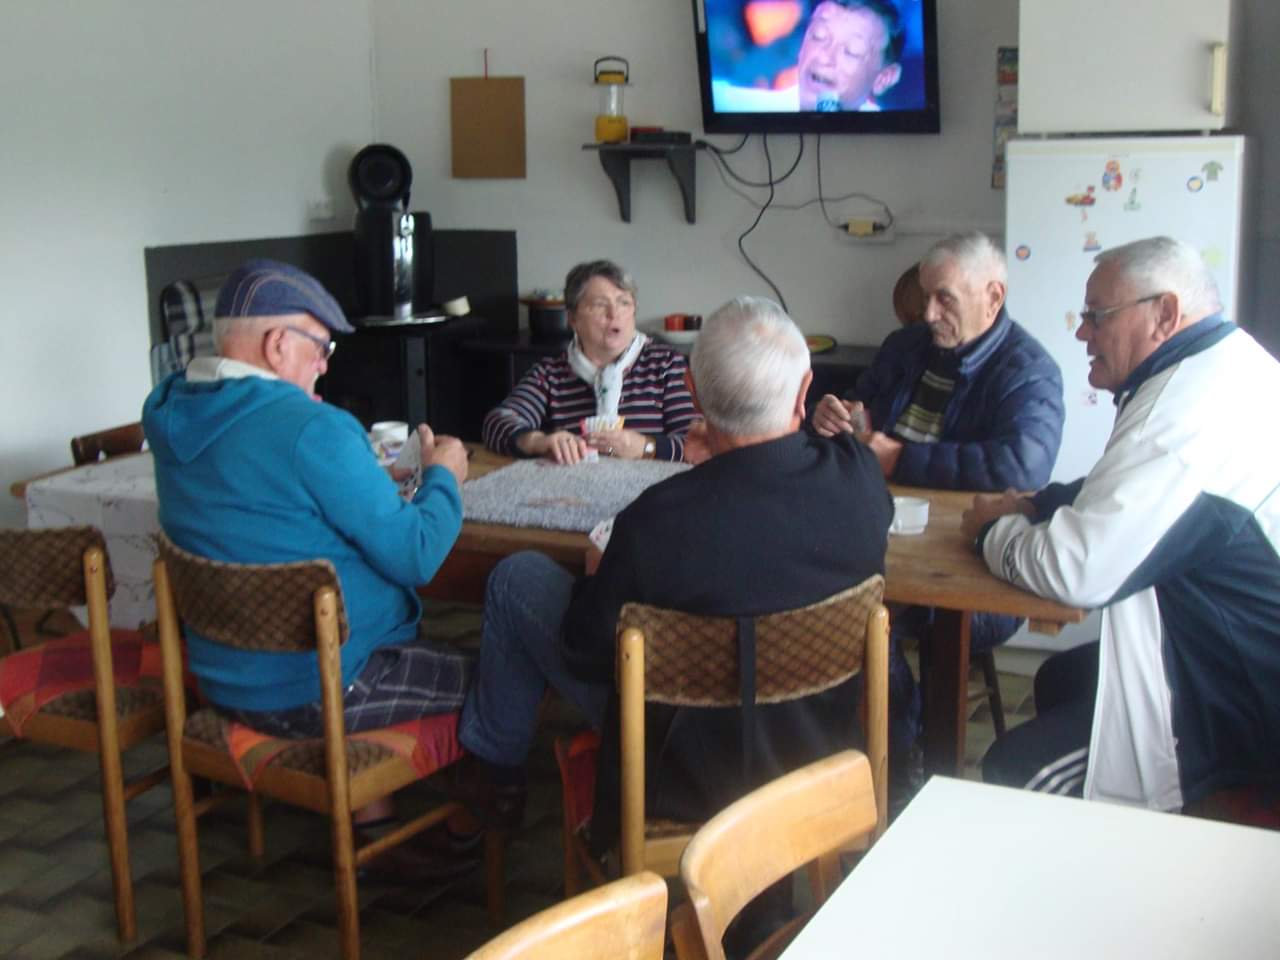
column 499, row 805
column 412, row 862
column 442, row 839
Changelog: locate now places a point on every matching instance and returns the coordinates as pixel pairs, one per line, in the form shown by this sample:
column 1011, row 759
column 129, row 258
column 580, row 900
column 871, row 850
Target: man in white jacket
column 1175, row 533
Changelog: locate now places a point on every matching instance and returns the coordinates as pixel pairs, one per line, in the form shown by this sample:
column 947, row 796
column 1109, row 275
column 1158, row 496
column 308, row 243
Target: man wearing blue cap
column 250, row 468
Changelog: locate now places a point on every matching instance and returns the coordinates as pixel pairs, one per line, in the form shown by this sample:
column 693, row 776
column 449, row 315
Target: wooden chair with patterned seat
column 287, row 607
column 96, row 691
column 806, row 817
column 680, row 659
column 623, row 919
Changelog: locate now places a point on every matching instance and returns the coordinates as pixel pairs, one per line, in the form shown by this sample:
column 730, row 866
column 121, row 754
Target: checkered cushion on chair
column 186, row 311
column 186, row 306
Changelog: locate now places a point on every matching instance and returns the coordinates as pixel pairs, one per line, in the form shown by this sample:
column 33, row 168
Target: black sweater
column 765, row 528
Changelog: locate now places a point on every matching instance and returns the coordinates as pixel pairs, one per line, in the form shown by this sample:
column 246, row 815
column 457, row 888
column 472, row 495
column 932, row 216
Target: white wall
column 132, row 123
column 565, row 211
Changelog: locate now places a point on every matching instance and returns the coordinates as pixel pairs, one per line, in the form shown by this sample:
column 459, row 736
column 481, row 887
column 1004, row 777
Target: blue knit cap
column 269, row 288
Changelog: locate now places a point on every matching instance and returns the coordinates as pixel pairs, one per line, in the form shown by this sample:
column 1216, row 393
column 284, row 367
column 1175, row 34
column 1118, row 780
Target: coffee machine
column 385, row 235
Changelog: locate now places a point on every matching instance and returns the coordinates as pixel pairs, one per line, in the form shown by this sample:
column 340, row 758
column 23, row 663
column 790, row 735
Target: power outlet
column 320, row 209
column 869, row 230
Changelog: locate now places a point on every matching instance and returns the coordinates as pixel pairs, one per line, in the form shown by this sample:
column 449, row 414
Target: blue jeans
column 520, row 656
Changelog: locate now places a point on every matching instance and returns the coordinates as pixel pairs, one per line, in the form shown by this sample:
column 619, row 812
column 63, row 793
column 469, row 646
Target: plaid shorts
column 397, row 684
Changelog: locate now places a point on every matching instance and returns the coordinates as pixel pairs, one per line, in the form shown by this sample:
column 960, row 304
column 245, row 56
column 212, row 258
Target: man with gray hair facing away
column 1175, row 534
column 775, row 519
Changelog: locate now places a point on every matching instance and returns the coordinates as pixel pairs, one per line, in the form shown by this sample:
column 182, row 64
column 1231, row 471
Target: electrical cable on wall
column 723, row 168
column 877, row 226
column 719, row 155
column 864, row 227
column 768, row 160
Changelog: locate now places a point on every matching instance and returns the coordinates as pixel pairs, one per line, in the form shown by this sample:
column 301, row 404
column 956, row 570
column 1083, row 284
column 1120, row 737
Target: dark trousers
column 1050, row 753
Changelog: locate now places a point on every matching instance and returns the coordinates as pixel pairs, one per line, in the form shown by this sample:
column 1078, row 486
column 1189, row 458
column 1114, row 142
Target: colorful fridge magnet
column 1083, row 201
column 1211, row 170
column 1022, row 252
column 1086, row 199
column 1195, row 184
column 1132, row 203
column 1091, row 242
column 1112, row 179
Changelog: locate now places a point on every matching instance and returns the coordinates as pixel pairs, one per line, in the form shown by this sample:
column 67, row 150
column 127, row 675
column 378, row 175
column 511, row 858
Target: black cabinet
column 410, row 372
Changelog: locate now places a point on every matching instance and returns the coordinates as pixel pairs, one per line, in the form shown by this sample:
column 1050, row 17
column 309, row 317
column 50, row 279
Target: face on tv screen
column 838, row 65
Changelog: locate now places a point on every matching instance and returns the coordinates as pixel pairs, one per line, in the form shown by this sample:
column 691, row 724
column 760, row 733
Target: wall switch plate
column 320, row 209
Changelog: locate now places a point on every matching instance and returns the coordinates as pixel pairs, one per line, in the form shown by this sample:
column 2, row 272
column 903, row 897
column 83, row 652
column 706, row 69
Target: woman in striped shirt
column 609, row 369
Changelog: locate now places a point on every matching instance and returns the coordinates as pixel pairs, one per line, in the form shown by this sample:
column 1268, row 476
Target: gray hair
column 577, row 279
column 747, row 366
column 226, row 327
column 974, row 252
column 1163, row 264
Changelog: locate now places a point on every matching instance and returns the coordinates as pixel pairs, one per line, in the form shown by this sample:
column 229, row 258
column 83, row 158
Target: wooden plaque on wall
column 486, row 115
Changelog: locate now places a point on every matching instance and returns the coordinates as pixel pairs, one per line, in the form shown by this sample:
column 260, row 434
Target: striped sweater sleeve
column 524, row 410
column 655, row 401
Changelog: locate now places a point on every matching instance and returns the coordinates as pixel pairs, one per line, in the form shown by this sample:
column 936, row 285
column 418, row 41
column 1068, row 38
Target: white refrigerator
column 1070, row 198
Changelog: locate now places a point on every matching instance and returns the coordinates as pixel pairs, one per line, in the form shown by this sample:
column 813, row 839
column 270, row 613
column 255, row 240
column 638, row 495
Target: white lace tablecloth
column 117, row 496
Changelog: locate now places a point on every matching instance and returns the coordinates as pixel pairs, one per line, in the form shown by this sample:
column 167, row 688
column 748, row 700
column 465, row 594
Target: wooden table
column 973, row 870
column 937, row 568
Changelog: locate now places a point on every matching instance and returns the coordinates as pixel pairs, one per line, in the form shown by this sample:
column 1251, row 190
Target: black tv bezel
column 925, row 119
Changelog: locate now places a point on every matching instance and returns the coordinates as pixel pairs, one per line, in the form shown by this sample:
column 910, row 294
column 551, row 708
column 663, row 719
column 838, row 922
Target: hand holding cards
column 599, row 424
column 410, row 460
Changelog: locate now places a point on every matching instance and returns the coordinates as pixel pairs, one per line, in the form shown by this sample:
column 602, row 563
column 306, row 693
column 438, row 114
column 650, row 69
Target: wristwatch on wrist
column 650, row 449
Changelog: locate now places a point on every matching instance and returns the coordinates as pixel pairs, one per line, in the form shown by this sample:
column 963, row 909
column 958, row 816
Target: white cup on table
column 910, row 516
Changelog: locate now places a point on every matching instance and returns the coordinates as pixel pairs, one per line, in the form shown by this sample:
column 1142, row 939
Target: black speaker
column 380, row 177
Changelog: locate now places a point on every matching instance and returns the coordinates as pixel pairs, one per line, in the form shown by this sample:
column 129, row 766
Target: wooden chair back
column 806, row 816
column 681, row 659
column 265, row 607
column 624, row 920
column 68, row 566
column 105, row 444
column 45, row 568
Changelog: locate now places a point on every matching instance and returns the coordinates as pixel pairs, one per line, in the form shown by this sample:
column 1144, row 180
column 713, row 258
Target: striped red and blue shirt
column 551, row 397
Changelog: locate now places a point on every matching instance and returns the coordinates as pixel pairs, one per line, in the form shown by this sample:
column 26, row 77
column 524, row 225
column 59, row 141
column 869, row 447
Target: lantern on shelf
column 611, row 76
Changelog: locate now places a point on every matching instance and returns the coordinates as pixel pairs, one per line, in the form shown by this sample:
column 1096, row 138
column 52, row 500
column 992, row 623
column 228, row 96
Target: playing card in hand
column 599, row 424
column 409, row 458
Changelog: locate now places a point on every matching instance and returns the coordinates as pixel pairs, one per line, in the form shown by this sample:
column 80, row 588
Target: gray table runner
column 537, row 493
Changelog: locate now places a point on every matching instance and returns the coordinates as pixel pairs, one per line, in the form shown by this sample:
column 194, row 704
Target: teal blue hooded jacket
column 252, row 470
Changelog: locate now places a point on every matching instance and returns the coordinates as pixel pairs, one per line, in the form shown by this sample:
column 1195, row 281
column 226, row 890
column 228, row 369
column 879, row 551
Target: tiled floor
column 55, row 888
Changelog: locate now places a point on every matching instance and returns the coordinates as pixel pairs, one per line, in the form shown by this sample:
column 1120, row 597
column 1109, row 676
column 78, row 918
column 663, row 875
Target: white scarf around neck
column 606, row 381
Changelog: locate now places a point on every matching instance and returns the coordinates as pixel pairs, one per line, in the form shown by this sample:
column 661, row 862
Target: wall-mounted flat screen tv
column 818, row 66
